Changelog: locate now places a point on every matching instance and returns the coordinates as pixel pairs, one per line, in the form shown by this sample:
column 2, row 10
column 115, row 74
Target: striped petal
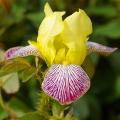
column 101, row 49
column 66, row 83
column 21, row 52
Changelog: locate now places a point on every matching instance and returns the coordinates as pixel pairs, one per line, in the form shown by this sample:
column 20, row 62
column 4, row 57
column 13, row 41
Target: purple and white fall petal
column 101, row 49
column 66, row 83
column 21, row 52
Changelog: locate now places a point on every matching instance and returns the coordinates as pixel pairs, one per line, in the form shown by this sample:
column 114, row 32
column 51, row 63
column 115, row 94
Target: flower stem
column 2, row 102
column 6, row 108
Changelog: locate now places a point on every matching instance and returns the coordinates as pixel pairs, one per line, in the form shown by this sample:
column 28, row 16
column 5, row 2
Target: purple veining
column 66, row 83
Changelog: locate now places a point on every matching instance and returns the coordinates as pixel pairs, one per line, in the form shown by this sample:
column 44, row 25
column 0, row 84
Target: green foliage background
column 19, row 22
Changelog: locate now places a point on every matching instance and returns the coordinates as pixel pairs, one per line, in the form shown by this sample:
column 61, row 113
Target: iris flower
column 63, row 45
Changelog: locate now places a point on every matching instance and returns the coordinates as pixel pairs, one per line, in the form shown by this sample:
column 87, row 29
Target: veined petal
column 21, row 52
column 101, row 49
column 66, row 83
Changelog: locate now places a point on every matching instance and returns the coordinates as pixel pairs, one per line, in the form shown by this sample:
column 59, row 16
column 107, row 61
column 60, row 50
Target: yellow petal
column 76, row 29
column 85, row 23
column 80, row 24
column 49, row 29
column 60, row 56
column 33, row 43
column 47, row 9
column 77, row 52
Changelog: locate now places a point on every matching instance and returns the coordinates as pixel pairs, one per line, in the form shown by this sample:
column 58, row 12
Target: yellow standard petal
column 50, row 27
column 79, row 23
column 76, row 29
column 48, row 11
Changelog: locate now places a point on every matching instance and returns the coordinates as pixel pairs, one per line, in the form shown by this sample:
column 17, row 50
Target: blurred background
column 19, row 22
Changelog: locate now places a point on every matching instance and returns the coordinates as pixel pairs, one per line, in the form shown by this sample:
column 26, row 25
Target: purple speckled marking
column 9, row 53
column 101, row 49
column 21, row 52
column 66, row 83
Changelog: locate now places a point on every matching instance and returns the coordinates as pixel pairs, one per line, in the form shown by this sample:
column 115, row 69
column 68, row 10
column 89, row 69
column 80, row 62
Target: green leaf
column 10, row 83
column 6, row 21
column 81, row 108
column 111, row 29
column 115, row 61
column 18, row 11
column 94, row 105
column 14, row 66
column 1, row 55
column 117, row 87
column 57, row 110
column 27, row 74
column 36, row 18
column 2, row 30
column 69, row 117
column 3, row 114
column 18, row 106
column 89, row 66
column 106, row 11
column 33, row 116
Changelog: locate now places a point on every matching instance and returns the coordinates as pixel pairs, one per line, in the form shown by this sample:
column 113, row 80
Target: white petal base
column 66, row 83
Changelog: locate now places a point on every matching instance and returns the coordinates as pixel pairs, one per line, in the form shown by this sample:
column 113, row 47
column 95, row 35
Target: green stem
column 5, row 107
column 2, row 102
column 43, row 105
column 36, row 62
